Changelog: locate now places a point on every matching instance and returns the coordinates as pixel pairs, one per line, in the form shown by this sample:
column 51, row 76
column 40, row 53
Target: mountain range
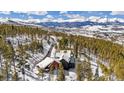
column 62, row 24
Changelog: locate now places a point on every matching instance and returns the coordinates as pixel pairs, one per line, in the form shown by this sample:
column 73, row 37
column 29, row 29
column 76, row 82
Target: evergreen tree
column 40, row 72
column 78, row 67
column 96, row 77
column 8, row 56
column 119, row 70
column 15, row 76
column 105, row 71
column 84, row 71
column 51, row 72
column 61, row 75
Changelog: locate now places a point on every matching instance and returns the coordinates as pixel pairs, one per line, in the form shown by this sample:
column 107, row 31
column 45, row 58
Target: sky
column 61, row 16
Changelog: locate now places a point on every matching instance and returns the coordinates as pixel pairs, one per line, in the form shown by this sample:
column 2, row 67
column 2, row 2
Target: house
column 47, row 62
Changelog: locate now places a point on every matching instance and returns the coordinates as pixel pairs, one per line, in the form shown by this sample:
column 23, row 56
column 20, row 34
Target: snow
column 94, row 64
column 45, row 62
column 36, row 59
column 71, row 77
column 46, row 46
column 66, row 57
column 53, row 52
column 63, row 54
column 15, row 41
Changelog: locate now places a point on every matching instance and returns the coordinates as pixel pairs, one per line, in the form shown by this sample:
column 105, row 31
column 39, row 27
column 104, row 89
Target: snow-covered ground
column 49, row 50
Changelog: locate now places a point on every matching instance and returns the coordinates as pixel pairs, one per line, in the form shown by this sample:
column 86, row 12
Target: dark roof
column 63, row 60
column 65, row 64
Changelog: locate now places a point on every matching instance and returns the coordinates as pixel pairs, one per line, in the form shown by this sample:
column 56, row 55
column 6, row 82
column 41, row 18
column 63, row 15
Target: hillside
column 33, row 54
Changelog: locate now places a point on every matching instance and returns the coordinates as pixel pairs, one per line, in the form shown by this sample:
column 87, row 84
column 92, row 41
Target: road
column 47, row 55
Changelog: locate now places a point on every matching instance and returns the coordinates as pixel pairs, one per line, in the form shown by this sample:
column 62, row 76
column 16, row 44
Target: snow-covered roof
column 58, row 55
column 64, row 54
column 46, row 62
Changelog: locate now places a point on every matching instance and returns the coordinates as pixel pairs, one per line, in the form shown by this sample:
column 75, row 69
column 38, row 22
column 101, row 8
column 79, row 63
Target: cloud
column 95, row 12
column 63, row 12
column 49, row 16
column 59, row 20
column 5, row 12
column 47, row 20
column 98, row 19
column 38, row 13
column 29, row 16
column 33, row 20
column 93, row 18
column 32, row 12
column 117, row 13
column 75, row 17
column 30, row 20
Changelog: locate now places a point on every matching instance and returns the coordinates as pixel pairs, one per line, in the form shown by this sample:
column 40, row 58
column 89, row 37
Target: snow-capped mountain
column 17, row 22
column 91, row 21
column 77, row 24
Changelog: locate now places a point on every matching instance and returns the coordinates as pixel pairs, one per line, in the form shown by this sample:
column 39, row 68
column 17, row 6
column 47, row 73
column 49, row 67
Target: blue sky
column 59, row 15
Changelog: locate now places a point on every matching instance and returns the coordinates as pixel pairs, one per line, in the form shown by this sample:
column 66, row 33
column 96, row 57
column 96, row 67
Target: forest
column 110, row 56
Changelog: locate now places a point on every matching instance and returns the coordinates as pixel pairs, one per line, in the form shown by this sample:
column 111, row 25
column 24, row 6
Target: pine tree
column 89, row 71
column 61, row 75
column 23, row 73
column 119, row 70
column 51, row 72
column 84, row 71
column 107, row 51
column 1, row 50
column 8, row 56
column 105, row 71
column 22, row 59
column 13, row 60
column 76, row 46
column 40, row 72
column 78, row 66
column 96, row 77
column 15, row 76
